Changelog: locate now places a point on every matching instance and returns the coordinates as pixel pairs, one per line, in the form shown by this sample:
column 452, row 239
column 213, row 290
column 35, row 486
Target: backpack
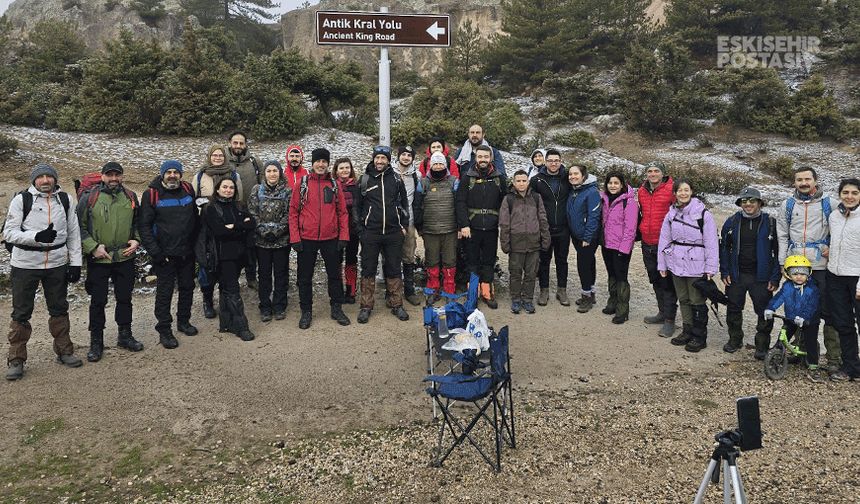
column 27, row 198
column 233, row 175
column 90, row 186
column 87, row 183
column 701, row 226
column 825, row 207
column 153, row 194
column 303, row 191
column 510, row 198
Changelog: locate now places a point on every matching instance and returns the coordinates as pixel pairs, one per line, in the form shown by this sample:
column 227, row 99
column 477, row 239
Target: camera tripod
column 727, row 451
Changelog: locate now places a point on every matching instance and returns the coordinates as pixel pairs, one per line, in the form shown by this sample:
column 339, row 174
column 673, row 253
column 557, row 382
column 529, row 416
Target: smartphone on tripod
column 749, row 423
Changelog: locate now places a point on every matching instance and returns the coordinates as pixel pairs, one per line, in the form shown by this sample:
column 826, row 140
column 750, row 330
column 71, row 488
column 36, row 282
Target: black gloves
column 48, row 235
column 341, row 244
column 73, row 274
column 297, row 247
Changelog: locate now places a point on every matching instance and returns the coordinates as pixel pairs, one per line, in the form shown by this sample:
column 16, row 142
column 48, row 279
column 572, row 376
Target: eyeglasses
column 217, row 155
column 747, row 200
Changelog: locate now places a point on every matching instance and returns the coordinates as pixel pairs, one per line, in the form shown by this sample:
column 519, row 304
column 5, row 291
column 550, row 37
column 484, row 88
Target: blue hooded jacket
column 800, row 301
column 583, row 210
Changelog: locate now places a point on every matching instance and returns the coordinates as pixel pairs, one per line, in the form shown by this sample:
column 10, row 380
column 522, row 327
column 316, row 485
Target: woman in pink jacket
column 620, row 216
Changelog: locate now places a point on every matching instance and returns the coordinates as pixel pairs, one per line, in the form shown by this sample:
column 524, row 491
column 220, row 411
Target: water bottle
column 443, row 323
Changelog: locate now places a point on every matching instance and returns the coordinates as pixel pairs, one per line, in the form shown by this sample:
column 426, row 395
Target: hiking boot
column 619, row 319
column 69, row 360
column 585, row 303
column 814, row 375
column 281, row 315
column 760, row 354
column 265, row 316
column 516, row 307
column 432, row 298
column 529, row 307
column 168, row 341
column 543, row 297
column 485, row 292
column 124, row 339
column 209, row 305
column 306, row 319
column 186, row 328
column 668, row 329
column 347, row 299
column 97, row 346
column 731, row 347
column 655, row 319
column 337, row 314
column 561, row 295
column 363, row 315
column 245, row 335
column 15, row 371
column 400, row 313
column 840, row 376
column 609, row 309
column 684, row 337
column 696, row 344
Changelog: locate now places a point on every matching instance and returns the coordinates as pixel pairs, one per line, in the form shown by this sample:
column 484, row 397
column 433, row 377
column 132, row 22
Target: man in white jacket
column 42, row 228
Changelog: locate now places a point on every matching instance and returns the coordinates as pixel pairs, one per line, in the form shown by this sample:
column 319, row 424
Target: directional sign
column 383, row 29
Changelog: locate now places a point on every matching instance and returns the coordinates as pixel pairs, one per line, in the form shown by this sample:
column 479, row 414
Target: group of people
column 238, row 214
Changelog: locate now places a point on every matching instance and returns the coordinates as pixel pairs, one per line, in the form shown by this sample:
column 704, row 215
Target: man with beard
column 479, row 197
column 168, row 206
column 109, row 238
column 42, row 228
column 803, row 229
column 409, row 175
column 465, row 155
column 250, row 172
column 293, row 170
column 381, row 221
column 553, row 187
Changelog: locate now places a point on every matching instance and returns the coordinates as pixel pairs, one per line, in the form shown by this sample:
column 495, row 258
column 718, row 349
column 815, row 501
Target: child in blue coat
column 801, row 297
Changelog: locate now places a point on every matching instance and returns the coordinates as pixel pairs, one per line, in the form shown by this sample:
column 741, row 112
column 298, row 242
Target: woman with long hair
column 620, row 216
column 583, row 217
column 344, row 173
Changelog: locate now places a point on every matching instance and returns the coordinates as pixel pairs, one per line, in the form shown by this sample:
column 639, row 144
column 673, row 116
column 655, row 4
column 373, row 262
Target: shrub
column 503, row 126
column 575, row 97
column 710, row 179
column 631, row 175
column 580, row 139
column 782, row 167
column 8, row 147
column 405, row 83
column 528, row 145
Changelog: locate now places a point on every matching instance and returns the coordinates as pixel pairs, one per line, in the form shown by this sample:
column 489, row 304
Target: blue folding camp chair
column 491, row 387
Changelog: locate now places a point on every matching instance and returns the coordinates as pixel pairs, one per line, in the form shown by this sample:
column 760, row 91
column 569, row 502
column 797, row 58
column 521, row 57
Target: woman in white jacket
column 843, row 277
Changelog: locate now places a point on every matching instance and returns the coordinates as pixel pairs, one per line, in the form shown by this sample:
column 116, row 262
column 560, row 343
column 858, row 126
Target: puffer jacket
column 522, row 223
column 619, row 221
column 844, row 243
column 767, row 267
column 111, row 221
column 799, row 300
column 555, row 201
column 46, row 209
column 583, row 210
column 323, row 215
column 685, row 248
column 654, row 206
column 349, row 189
column 168, row 220
column 809, row 231
column 231, row 242
column 270, row 206
column 435, row 212
column 478, row 206
column 249, row 170
column 380, row 206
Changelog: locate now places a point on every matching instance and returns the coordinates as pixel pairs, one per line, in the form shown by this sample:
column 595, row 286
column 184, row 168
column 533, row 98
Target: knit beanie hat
column 381, row 149
column 171, row 164
column 438, row 157
column 405, row 148
column 43, row 169
column 273, row 163
column 320, row 153
column 658, row 164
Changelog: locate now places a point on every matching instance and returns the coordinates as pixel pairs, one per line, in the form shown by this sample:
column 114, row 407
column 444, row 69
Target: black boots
column 232, row 316
column 97, row 346
column 699, row 332
column 209, row 303
column 337, row 314
column 409, row 285
column 125, row 340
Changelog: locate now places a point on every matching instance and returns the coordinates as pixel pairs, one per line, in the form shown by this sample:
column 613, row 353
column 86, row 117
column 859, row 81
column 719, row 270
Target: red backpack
column 89, row 185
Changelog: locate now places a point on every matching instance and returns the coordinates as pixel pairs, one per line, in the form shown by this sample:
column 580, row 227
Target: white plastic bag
column 477, row 326
column 461, row 340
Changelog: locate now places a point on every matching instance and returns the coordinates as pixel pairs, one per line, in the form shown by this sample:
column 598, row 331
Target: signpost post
column 384, row 30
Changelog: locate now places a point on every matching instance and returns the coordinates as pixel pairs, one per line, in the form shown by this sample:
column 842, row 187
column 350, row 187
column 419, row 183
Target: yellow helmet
column 797, row 264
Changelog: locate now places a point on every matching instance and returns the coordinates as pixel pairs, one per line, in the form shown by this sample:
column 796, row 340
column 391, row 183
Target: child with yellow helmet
column 801, row 297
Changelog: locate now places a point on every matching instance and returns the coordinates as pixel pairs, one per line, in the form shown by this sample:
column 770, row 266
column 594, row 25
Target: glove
column 768, row 314
column 47, row 235
column 73, row 274
column 341, row 244
column 297, row 247
column 270, row 237
column 799, row 321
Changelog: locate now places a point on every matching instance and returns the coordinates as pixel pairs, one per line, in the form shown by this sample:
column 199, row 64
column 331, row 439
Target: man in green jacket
column 108, row 219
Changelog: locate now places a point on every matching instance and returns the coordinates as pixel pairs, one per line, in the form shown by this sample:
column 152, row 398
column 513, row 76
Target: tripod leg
column 740, row 495
column 704, row 486
column 727, row 483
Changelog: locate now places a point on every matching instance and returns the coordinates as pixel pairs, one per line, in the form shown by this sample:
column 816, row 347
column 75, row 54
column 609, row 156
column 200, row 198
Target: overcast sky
column 286, row 5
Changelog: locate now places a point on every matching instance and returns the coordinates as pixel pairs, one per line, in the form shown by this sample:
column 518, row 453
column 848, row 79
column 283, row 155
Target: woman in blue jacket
column 583, row 218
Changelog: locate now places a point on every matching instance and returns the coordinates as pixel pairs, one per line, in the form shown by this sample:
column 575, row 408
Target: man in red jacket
column 319, row 223
column 293, row 170
column 655, row 199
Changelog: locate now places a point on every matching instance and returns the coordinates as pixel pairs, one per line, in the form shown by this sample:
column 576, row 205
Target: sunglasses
column 748, row 200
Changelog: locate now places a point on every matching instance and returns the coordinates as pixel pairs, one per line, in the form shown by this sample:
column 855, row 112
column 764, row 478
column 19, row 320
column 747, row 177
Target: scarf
column 217, row 171
column 753, row 216
column 441, row 174
column 465, row 156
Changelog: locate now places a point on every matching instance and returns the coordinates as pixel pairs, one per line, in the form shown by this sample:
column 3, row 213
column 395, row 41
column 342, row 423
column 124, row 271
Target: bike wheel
column 775, row 363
